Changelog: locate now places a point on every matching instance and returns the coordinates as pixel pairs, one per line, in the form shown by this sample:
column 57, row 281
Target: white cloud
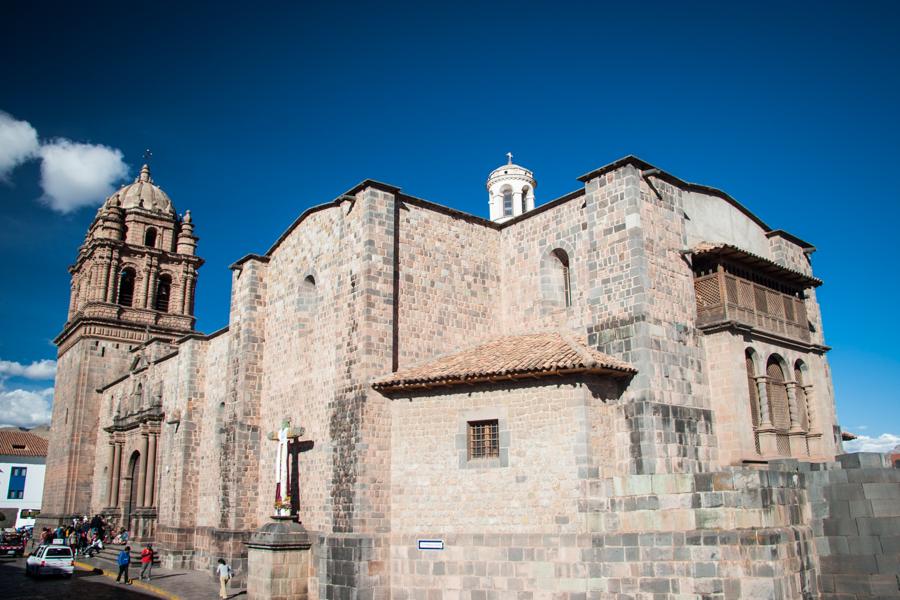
column 864, row 443
column 74, row 175
column 39, row 369
column 18, row 143
column 25, row 408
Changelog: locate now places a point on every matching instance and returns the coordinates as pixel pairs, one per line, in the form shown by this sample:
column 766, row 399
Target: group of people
column 82, row 536
column 86, row 537
column 124, row 562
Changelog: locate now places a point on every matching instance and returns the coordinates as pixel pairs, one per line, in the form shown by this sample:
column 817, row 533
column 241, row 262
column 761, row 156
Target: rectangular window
column 16, row 483
column 484, row 439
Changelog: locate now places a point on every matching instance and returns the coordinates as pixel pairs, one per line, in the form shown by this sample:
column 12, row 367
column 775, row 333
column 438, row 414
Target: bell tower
column 133, row 279
column 510, row 191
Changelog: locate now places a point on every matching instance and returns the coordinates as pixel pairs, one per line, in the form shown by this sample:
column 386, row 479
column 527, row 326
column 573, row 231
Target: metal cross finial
column 148, row 154
column 509, row 156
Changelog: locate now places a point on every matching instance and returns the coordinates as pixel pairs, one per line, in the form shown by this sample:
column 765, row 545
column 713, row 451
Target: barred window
column 484, row 439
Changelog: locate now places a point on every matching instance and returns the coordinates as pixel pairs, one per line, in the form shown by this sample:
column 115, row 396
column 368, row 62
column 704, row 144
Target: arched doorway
column 131, row 483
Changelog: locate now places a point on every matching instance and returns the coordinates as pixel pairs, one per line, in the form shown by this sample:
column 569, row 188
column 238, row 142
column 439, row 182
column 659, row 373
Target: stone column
column 140, row 297
column 793, row 409
column 768, row 439
column 117, row 464
column 104, row 283
column 151, row 472
column 142, row 470
column 188, row 293
column 151, row 286
column 765, row 420
column 517, row 203
column 112, row 287
column 112, row 476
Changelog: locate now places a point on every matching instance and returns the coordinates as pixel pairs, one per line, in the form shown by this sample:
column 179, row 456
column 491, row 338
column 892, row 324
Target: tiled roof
column 21, row 443
column 511, row 357
column 755, row 261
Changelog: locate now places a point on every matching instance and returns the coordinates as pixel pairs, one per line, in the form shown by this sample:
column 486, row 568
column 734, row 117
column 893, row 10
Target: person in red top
column 146, row 561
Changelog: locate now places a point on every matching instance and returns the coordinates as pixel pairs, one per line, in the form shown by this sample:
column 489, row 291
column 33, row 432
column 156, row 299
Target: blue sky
column 255, row 113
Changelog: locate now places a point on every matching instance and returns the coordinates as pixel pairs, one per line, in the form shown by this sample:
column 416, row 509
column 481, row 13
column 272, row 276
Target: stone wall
column 71, row 471
column 856, row 508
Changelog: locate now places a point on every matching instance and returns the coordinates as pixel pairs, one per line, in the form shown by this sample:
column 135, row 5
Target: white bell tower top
column 510, row 191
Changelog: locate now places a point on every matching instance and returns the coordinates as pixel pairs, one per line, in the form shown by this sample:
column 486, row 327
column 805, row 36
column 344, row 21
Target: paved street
column 14, row 585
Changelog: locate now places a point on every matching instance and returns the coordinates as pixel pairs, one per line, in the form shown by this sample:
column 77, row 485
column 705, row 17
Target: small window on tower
column 126, row 286
column 150, row 237
column 484, row 439
column 163, row 291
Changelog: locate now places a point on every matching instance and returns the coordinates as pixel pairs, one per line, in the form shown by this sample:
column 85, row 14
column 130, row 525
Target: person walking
column 224, row 572
column 123, row 561
column 147, row 562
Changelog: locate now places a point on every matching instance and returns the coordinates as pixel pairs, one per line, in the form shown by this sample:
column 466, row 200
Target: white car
column 51, row 559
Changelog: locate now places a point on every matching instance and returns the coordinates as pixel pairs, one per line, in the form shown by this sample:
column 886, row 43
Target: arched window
column 507, row 201
column 150, row 237
column 126, row 286
column 563, row 279
column 525, row 199
column 307, row 294
column 802, row 400
column 777, row 392
column 163, row 291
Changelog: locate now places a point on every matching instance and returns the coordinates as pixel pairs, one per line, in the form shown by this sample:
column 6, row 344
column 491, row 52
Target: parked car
column 49, row 560
column 12, row 543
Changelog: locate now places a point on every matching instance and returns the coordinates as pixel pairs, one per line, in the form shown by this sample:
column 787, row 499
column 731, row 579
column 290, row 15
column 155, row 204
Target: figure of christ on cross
column 287, row 481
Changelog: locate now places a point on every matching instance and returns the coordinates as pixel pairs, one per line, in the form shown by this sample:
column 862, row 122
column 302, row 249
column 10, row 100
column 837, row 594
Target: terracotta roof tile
column 21, row 443
column 755, row 261
column 511, row 357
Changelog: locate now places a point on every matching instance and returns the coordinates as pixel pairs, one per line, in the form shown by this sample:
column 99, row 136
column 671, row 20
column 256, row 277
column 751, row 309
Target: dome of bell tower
column 510, row 191
column 143, row 193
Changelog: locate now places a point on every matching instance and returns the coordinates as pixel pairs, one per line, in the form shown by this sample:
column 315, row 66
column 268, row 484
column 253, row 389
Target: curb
column 139, row 584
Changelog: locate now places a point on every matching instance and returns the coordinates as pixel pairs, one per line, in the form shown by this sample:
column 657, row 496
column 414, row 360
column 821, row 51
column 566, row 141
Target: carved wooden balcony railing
column 724, row 297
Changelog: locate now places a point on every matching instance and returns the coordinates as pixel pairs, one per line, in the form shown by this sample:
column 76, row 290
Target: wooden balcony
column 724, row 297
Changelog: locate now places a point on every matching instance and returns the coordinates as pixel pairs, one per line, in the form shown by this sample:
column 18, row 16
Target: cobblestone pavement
column 14, row 585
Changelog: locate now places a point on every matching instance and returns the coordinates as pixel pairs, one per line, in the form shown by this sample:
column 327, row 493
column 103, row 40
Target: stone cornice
column 117, row 329
column 760, row 334
column 86, row 251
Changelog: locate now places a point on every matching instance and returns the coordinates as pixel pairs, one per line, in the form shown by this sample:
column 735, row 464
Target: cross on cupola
column 287, row 479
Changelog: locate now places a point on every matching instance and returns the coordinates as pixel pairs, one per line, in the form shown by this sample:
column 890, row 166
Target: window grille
column 777, row 392
column 484, row 439
column 731, row 289
column 707, row 291
column 788, row 308
column 760, row 298
column 783, row 443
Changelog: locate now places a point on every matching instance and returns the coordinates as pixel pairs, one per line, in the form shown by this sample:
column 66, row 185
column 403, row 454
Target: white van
column 51, row 559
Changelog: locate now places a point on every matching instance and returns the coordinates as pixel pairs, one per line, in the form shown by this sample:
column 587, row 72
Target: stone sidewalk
column 165, row 583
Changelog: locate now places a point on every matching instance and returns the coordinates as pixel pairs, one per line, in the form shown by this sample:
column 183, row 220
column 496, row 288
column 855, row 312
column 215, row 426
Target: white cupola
column 510, row 191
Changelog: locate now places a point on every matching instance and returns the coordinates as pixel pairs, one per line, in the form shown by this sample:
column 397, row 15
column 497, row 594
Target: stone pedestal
column 279, row 557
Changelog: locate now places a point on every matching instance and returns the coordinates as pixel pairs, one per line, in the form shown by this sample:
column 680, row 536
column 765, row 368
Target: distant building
column 22, row 458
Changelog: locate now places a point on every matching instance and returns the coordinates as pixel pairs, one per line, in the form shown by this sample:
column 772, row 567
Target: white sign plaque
column 431, row 544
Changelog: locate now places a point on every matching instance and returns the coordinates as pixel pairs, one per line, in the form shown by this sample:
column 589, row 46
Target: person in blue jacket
column 124, row 560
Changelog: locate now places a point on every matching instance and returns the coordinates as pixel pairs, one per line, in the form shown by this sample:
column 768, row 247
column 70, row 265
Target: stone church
column 619, row 393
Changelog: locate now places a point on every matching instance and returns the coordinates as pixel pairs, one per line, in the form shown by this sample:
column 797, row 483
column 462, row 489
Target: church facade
column 622, row 392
